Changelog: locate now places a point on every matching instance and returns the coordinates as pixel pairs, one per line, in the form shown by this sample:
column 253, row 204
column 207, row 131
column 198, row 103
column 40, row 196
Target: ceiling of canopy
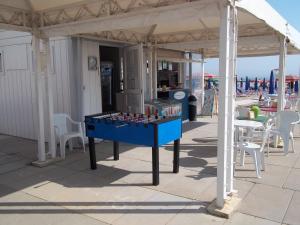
column 185, row 25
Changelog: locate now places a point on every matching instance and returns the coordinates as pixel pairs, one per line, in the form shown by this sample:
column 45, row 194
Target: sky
column 261, row 66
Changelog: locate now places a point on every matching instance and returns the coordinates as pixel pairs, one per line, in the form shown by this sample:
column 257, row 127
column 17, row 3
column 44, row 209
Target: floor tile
column 279, row 159
column 156, row 210
column 273, row 175
column 20, row 208
column 297, row 164
column 102, row 199
column 243, row 219
column 293, row 180
column 267, row 202
column 292, row 216
column 195, row 215
column 30, row 176
column 243, row 187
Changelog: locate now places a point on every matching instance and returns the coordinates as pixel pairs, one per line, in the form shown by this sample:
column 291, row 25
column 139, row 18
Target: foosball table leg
column 92, row 151
column 116, row 150
column 155, row 166
column 176, row 156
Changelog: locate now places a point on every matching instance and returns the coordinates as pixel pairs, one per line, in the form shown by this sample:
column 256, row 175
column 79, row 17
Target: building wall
column 18, row 115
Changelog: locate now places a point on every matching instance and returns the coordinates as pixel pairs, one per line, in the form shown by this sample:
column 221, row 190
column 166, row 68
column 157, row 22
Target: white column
column 191, row 73
column 37, row 68
column 224, row 73
column 281, row 83
column 49, row 95
column 150, row 66
column 202, row 80
column 231, row 99
column 154, row 72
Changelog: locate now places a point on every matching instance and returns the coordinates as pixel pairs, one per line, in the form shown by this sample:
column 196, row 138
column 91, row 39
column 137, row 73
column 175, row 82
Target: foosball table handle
column 123, row 125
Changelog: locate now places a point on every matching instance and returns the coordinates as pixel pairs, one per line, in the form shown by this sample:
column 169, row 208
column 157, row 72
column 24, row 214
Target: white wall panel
column 18, row 115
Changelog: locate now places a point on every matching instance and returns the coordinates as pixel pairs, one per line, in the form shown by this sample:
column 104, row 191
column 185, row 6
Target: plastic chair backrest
column 285, row 120
column 243, row 112
column 265, row 136
column 61, row 123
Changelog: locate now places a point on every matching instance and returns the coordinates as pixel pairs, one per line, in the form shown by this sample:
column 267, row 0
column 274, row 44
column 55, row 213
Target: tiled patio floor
column 68, row 192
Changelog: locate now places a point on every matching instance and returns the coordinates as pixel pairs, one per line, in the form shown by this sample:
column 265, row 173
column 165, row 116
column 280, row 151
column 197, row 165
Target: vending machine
column 106, row 69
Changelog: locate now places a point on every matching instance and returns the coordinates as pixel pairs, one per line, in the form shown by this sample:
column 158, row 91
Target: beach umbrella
column 246, row 84
column 241, row 83
column 209, row 84
column 264, row 84
column 256, row 84
column 236, row 83
column 296, row 86
column 276, row 84
column 272, row 84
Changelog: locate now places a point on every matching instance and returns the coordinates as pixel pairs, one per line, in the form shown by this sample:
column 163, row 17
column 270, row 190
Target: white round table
column 248, row 124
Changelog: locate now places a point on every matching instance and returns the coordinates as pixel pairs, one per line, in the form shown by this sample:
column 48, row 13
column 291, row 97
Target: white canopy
column 172, row 24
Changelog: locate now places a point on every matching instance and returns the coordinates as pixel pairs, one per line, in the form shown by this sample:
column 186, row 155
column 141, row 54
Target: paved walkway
column 121, row 192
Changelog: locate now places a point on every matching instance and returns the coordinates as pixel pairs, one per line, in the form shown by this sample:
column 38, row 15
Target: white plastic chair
column 287, row 120
column 63, row 134
column 243, row 112
column 256, row 151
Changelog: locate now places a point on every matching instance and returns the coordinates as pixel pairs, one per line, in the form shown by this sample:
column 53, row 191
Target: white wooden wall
column 91, row 79
column 17, row 86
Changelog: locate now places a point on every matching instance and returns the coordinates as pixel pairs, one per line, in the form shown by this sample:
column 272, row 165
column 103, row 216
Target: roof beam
column 135, row 19
column 243, row 43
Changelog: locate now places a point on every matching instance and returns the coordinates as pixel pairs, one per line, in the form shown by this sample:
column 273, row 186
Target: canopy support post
column 191, row 72
column 37, row 67
column 224, row 70
column 49, row 93
column 231, row 99
column 202, row 80
column 154, row 72
column 281, row 83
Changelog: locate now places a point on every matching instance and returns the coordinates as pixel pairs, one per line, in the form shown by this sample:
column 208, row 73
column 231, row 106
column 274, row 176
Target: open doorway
column 110, row 76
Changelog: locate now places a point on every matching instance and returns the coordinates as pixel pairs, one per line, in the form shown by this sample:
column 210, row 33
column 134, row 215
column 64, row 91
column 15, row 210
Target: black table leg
column 92, row 153
column 176, row 156
column 116, row 150
column 155, row 166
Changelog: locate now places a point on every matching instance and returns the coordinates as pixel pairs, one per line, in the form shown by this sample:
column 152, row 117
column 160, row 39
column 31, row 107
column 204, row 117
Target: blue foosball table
column 138, row 129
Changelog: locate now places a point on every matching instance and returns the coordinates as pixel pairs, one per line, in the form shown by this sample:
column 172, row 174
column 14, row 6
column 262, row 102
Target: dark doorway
column 110, row 76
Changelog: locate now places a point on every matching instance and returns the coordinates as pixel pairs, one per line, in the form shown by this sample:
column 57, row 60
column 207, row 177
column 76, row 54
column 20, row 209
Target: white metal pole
column 52, row 144
column 281, row 83
column 39, row 97
column 231, row 99
column 202, row 80
column 191, row 73
column 154, row 71
column 223, row 105
column 150, row 67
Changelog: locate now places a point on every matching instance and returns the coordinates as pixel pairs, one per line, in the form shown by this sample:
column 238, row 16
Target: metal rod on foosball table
column 92, row 153
column 176, row 156
column 155, row 166
column 116, row 150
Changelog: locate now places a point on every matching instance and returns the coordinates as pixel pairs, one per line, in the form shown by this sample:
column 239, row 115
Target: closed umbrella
column 209, row 84
column 241, row 83
column 296, row 87
column 276, row 85
column 272, row 84
column 247, row 84
column 256, row 84
column 264, row 84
